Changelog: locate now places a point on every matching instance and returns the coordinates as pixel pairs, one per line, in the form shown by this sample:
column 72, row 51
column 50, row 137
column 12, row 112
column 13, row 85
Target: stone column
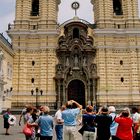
column 58, row 94
column 88, row 93
column 94, row 92
column 64, row 96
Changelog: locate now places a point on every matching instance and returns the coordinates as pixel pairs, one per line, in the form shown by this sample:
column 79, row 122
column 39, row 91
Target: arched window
column 117, row 7
column 122, row 79
column 35, row 8
column 75, row 33
column 121, row 62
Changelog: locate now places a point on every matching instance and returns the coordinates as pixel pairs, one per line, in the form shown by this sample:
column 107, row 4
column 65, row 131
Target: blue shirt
column 69, row 116
column 88, row 119
column 45, row 123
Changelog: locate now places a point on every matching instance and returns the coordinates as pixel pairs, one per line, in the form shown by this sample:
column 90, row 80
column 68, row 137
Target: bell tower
column 116, row 13
column 34, row 39
column 41, row 11
column 117, row 36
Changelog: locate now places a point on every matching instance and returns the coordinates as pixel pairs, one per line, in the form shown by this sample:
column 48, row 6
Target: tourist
column 59, row 123
column 22, row 115
column 135, row 118
column 70, row 115
column 137, row 130
column 124, row 130
column 45, row 124
column 28, row 120
column 6, row 116
column 89, row 125
column 103, row 121
column 114, row 125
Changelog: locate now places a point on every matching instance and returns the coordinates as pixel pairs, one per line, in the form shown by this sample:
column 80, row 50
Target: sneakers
column 7, row 134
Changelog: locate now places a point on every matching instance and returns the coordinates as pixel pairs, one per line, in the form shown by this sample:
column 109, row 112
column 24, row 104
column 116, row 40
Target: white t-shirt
column 58, row 116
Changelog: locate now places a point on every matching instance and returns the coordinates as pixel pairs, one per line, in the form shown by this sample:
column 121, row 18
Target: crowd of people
column 104, row 124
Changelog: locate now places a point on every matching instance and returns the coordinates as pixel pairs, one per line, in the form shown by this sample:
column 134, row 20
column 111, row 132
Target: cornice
column 123, row 32
column 118, row 47
column 34, row 49
column 22, row 32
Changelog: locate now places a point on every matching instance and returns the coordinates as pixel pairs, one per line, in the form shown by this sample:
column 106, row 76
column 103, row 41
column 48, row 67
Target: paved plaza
column 16, row 132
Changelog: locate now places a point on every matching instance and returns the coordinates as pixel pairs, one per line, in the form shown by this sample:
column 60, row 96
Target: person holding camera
column 103, row 121
column 69, row 115
column 125, row 122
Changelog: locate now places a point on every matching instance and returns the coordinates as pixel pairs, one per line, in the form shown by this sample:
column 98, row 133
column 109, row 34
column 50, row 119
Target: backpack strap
column 114, row 118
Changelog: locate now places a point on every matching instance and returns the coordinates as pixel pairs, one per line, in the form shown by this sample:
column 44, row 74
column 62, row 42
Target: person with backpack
column 114, row 125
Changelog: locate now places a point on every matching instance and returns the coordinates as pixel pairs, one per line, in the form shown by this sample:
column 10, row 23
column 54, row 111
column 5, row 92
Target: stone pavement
column 16, row 132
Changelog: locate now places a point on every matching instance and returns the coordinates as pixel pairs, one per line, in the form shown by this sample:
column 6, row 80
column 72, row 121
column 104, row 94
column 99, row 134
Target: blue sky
column 7, row 12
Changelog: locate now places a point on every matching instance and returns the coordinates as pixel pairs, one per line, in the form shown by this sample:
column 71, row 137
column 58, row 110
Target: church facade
column 91, row 63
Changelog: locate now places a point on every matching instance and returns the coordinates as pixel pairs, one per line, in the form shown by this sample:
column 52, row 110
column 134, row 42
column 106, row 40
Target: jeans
column 59, row 132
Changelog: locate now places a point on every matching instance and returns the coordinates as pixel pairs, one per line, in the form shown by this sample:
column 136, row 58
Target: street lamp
column 36, row 97
column 41, row 91
column 32, row 92
column 37, row 91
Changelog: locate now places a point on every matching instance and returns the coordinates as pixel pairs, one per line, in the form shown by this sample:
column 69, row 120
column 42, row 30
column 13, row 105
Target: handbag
column 82, row 129
column 27, row 130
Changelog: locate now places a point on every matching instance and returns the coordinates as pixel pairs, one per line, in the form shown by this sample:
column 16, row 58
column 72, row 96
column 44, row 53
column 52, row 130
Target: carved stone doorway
column 76, row 91
column 76, row 72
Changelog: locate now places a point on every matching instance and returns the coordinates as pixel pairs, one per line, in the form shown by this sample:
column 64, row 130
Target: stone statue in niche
column 84, row 61
column 93, row 69
column 67, row 61
column 76, row 60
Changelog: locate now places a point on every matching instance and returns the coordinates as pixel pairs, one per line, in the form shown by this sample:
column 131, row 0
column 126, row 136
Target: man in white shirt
column 59, row 123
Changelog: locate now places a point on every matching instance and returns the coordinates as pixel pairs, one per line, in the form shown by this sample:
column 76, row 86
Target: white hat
column 111, row 109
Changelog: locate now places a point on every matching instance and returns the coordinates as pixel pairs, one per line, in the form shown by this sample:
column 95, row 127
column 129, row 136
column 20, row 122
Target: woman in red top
column 124, row 130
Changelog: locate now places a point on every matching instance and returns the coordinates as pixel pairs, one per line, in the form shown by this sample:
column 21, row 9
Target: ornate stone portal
column 76, row 73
